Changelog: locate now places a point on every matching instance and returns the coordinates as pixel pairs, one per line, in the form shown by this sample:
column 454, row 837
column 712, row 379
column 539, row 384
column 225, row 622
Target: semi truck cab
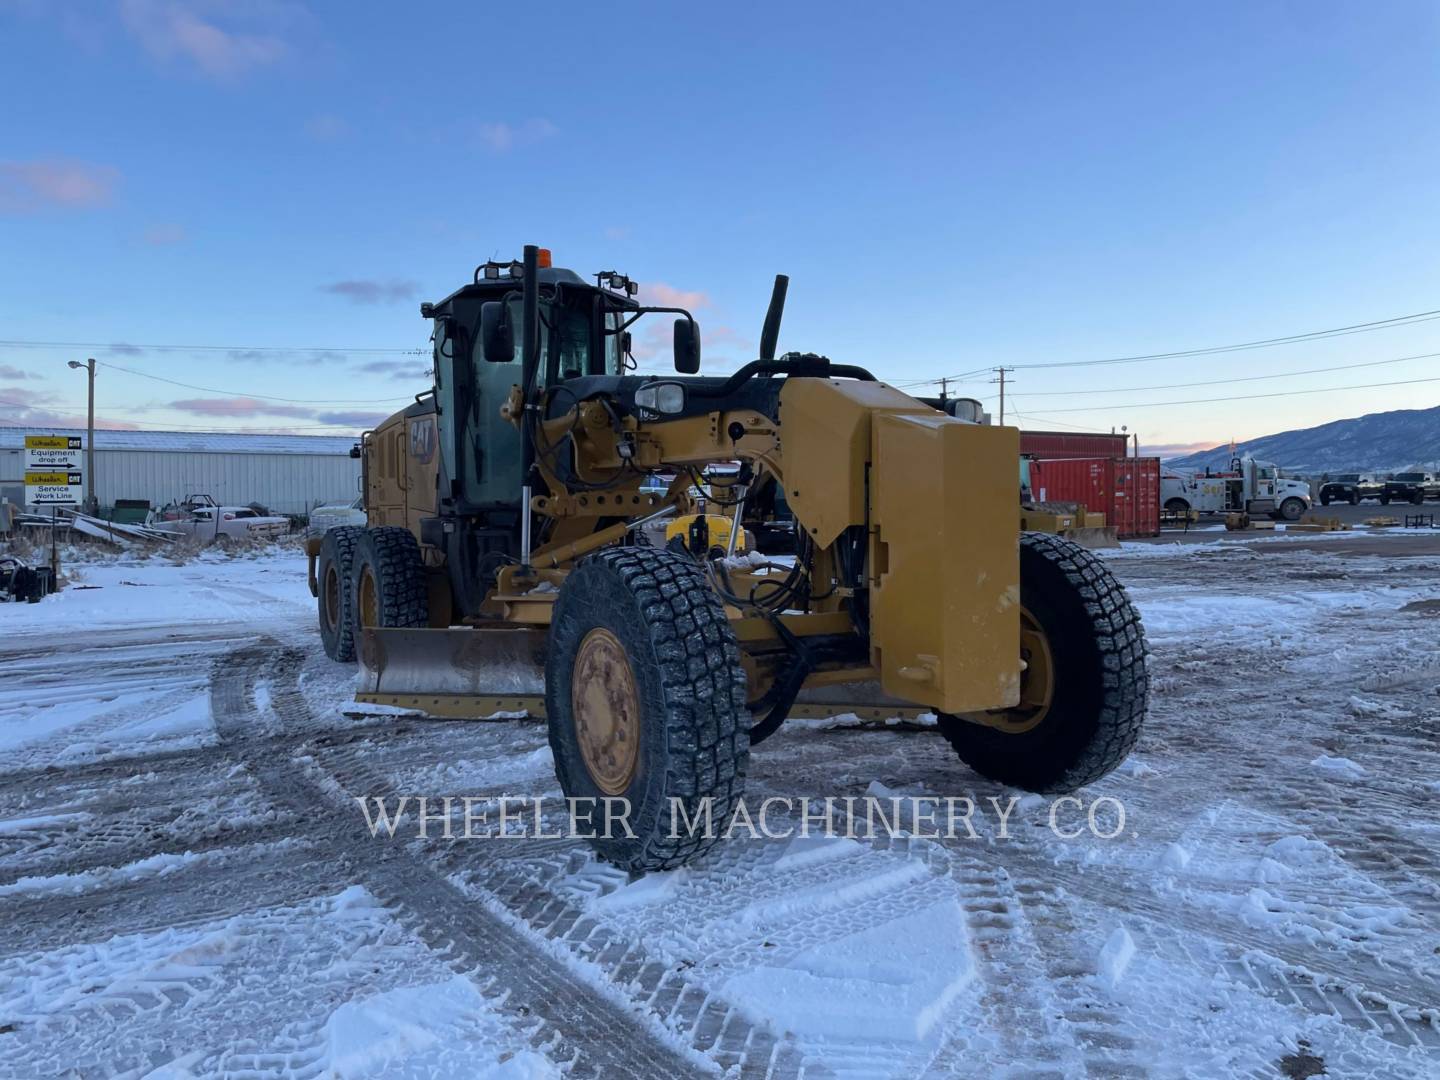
column 1249, row 486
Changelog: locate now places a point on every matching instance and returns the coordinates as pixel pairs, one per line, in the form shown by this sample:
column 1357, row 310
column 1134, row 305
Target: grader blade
column 1093, row 536
column 459, row 672
column 465, row 673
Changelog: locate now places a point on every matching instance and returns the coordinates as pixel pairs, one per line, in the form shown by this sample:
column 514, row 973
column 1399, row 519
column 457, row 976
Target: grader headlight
column 661, row 398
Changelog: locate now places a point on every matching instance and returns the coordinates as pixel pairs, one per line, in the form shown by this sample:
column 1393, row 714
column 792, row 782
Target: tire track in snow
column 603, row 1039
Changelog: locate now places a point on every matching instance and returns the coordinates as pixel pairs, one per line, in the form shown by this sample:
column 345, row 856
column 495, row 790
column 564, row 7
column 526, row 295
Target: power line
column 943, row 378
column 1238, row 397
column 368, row 350
column 1058, row 423
column 1220, row 382
column 1262, row 343
column 247, row 394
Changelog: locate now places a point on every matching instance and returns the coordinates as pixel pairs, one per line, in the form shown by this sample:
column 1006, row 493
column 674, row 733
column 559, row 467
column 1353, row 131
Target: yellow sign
column 38, row 478
column 52, row 442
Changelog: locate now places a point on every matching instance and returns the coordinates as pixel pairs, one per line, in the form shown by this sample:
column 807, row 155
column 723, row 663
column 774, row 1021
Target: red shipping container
column 1073, row 444
column 1125, row 490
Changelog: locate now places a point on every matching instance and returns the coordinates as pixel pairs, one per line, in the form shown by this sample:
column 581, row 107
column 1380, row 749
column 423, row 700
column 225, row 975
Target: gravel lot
column 188, row 887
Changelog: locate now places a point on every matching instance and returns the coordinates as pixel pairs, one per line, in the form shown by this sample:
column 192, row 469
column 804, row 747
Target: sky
column 253, row 198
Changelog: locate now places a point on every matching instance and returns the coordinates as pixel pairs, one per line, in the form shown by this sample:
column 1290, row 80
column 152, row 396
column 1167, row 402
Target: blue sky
column 950, row 186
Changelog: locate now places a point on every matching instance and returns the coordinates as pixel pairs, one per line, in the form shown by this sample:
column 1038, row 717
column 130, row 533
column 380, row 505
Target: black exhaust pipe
column 529, row 366
column 771, row 334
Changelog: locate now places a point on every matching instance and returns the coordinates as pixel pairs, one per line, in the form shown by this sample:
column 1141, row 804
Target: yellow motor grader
column 505, row 566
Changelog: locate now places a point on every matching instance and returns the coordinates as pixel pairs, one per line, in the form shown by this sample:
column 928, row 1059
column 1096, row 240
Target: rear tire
column 645, row 696
column 1100, row 683
column 1384, row 500
column 387, row 582
column 1354, row 499
column 1417, row 498
column 1177, row 506
column 335, row 566
column 1324, row 500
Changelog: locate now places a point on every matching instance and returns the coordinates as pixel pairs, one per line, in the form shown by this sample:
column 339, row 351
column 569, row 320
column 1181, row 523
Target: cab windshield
column 568, row 348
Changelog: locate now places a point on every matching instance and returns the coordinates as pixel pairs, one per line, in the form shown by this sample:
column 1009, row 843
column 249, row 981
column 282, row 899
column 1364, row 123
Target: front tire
column 1354, row 499
column 335, row 566
column 645, row 697
column 1177, row 506
column 1292, row 509
column 1092, row 651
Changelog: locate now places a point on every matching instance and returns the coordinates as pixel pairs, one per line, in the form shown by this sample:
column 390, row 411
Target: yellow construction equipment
column 500, row 569
column 1070, row 520
column 704, row 534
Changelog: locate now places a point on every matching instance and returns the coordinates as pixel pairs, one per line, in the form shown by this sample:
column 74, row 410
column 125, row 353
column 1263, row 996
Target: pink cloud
column 238, row 406
column 368, row 291
column 26, row 186
column 658, row 294
column 164, row 235
column 351, row 419
column 397, row 369
column 726, row 339
column 15, row 395
column 26, row 408
column 501, row 137
column 1175, row 449
column 326, row 127
column 169, row 29
column 10, row 371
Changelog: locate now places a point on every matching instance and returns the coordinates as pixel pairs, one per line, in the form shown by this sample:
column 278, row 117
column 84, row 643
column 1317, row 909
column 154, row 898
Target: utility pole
column 944, row 382
column 92, row 502
column 1001, row 371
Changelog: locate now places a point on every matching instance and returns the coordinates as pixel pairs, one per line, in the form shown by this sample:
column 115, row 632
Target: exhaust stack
column 771, row 334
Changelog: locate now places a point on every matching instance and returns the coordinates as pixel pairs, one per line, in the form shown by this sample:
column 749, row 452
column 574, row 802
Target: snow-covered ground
column 187, row 887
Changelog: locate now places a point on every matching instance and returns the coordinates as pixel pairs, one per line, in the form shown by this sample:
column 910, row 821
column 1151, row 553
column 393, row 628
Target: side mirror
column 687, row 346
column 497, row 341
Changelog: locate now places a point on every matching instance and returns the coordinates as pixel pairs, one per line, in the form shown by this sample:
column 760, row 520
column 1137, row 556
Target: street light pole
column 92, row 502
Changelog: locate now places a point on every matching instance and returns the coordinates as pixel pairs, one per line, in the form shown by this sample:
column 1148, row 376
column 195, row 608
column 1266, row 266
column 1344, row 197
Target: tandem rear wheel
column 335, row 566
column 387, row 580
column 1084, row 688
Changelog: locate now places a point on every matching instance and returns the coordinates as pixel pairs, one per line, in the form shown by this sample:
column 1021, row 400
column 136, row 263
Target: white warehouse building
column 289, row 474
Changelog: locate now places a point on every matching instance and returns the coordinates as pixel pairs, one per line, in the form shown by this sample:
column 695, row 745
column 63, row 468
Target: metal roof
column 192, row 442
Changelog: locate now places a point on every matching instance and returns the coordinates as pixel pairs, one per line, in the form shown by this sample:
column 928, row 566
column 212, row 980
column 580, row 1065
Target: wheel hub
column 606, row 706
column 369, row 604
column 1037, row 683
column 332, row 598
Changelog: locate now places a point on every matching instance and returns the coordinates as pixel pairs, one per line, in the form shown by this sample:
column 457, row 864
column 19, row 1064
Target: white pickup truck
column 1250, row 486
column 199, row 516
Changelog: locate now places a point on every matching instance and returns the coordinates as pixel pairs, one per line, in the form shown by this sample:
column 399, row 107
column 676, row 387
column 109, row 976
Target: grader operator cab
column 503, row 566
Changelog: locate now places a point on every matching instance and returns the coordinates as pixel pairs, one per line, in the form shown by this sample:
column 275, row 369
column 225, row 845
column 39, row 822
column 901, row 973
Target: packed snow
column 189, row 887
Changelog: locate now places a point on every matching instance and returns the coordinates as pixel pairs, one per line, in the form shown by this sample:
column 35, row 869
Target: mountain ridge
column 1376, row 442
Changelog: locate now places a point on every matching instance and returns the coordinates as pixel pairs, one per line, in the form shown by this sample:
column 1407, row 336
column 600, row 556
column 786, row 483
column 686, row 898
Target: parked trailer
column 1126, row 490
column 1050, row 445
